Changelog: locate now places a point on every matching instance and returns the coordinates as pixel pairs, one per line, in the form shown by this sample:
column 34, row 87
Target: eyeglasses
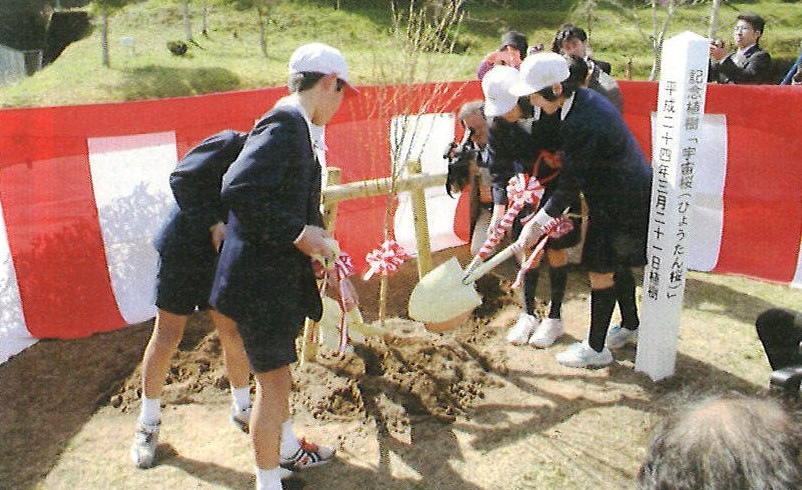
column 340, row 85
column 741, row 28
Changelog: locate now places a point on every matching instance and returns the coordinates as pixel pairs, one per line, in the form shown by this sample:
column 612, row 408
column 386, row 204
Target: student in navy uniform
column 523, row 144
column 265, row 279
column 602, row 160
column 749, row 64
column 188, row 246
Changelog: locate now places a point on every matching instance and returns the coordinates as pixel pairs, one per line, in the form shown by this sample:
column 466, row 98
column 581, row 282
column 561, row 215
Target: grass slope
column 230, row 59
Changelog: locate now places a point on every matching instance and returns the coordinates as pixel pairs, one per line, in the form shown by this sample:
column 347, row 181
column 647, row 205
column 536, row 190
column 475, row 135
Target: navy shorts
column 184, row 280
column 608, row 249
column 269, row 342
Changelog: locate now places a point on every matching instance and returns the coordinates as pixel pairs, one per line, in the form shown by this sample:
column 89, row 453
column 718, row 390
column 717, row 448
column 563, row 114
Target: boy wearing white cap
column 602, row 160
column 265, row 280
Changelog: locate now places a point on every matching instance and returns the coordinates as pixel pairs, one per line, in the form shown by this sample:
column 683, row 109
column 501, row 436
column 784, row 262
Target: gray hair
column 725, row 442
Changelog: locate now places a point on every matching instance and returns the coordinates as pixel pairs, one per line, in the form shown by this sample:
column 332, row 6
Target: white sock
column 151, row 411
column 289, row 442
column 268, row 479
column 241, row 397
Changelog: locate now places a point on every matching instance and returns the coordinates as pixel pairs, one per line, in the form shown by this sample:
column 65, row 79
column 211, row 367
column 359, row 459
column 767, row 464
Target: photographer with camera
column 525, row 143
column 468, row 166
column 749, row 64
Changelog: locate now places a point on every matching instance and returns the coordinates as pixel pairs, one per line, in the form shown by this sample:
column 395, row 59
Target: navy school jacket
column 273, row 191
column 195, row 183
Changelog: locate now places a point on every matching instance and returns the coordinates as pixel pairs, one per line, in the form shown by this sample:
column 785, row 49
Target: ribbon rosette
column 521, row 190
column 386, row 259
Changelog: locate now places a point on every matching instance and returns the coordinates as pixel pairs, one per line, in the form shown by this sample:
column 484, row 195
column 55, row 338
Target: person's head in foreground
column 546, row 79
column 319, row 75
column 724, row 443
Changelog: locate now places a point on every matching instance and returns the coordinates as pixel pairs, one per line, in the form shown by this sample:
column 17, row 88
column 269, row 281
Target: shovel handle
column 486, row 267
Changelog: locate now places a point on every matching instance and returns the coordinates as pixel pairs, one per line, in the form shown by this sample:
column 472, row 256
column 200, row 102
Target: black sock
column 625, row 295
column 558, row 277
column 602, row 304
column 530, row 286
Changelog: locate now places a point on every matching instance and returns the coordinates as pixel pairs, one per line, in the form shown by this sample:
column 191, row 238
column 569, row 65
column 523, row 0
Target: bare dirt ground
column 413, row 410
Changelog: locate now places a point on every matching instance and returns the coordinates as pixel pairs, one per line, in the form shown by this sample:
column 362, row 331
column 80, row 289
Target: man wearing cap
column 265, row 280
column 525, row 146
column 512, row 50
column 602, row 160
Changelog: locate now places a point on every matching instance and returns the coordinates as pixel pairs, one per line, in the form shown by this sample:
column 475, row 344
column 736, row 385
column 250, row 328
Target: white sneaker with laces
column 308, row 455
column 549, row 330
column 143, row 450
column 582, row 355
column 618, row 336
column 520, row 332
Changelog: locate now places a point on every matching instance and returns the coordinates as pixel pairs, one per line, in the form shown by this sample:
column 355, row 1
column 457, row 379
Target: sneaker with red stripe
column 308, row 455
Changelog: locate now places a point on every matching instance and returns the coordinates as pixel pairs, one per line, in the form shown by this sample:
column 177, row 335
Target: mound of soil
column 408, row 373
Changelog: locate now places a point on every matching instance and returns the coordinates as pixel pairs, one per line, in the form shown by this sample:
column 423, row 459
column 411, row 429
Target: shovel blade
column 441, row 295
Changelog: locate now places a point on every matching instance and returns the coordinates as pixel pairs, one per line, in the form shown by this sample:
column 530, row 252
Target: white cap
column 540, row 70
column 496, row 86
column 319, row 58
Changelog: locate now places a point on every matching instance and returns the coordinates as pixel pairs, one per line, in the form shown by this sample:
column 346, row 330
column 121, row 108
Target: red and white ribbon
column 386, row 259
column 555, row 228
column 343, row 267
column 521, row 190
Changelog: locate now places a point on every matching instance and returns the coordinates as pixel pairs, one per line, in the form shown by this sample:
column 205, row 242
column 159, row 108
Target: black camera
column 459, row 156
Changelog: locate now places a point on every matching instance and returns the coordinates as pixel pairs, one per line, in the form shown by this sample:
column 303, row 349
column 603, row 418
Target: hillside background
column 229, row 57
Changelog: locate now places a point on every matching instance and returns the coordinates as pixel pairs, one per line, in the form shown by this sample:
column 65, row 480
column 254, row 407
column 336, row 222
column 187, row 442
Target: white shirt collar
column 569, row 102
column 317, row 134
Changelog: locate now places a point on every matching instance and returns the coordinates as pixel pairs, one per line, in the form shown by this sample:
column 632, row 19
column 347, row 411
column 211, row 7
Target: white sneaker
column 581, row 355
column 618, row 336
column 520, row 332
column 308, row 455
column 549, row 330
column 143, row 450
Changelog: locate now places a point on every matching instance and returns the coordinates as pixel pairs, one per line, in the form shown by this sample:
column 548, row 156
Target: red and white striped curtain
column 83, row 190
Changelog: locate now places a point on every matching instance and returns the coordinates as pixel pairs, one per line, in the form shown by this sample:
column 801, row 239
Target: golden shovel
column 445, row 297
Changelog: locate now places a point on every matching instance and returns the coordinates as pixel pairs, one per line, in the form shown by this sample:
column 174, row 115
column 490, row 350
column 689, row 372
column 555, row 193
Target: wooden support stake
column 329, row 205
column 309, row 349
column 421, row 221
column 380, row 187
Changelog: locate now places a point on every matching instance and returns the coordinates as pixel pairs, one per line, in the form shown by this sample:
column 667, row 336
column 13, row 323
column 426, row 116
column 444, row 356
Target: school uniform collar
column 567, row 105
column 317, row 134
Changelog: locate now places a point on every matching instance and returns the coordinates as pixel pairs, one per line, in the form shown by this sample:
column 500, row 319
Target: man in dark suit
column 602, row 160
column 750, row 64
column 265, row 280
